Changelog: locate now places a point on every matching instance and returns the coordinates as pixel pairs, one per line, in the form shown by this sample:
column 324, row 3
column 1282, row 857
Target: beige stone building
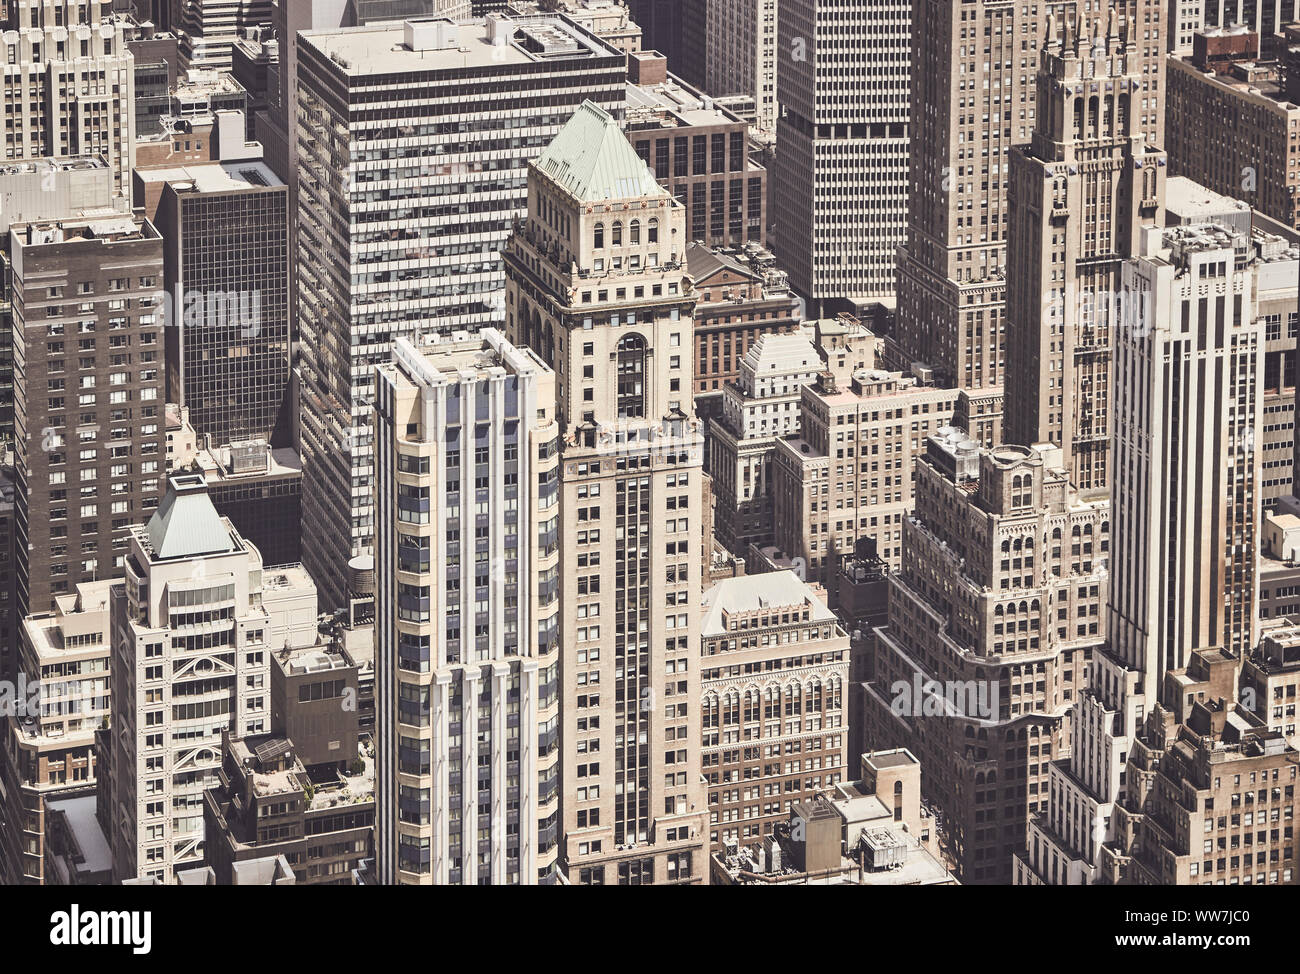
column 597, row 287
column 1235, row 130
column 466, row 614
column 758, row 409
column 774, row 664
column 992, row 621
column 1078, row 193
column 848, row 474
column 974, row 96
column 70, row 84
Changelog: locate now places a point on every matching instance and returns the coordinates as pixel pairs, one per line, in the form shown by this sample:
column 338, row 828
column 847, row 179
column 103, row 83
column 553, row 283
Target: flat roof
column 80, row 813
column 215, row 177
column 380, row 48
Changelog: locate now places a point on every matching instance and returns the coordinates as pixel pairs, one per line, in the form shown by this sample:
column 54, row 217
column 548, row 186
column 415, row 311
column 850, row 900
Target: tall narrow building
column 88, row 403
column 1183, row 598
column 841, row 163
column 404, row 243
column 974, row 95
column 597, row 286
column 193, row 627
column 69, row 83
column 466, row 623
column 1078, row 194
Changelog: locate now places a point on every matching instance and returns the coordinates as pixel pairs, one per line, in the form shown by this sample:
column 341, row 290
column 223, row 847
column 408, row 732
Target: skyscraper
column 466, row 662
column 843, row 142
column 998, row 607
column 974, row 68
column 88, row 402
column 1182, row 608
column 409, row 242
column 226, row 273
column 1185, row 493
column 742, row 56
column 193, row 625
column 597, row 286
column 70, row 84
column 1079, row 194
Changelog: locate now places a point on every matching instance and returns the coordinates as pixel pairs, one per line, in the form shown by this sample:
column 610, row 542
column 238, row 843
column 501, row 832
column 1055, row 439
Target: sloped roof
column 702, row 262
column 186, row 524
column 592, row 158
column 781, row 352
column 748, row 593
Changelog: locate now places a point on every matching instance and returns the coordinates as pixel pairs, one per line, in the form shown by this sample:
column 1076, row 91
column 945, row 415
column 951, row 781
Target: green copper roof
column 592, row 158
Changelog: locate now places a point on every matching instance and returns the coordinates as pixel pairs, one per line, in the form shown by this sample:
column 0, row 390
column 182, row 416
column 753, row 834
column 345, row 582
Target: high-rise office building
column 974, row 96
column 207, row 29
column 993, row 617
column 414, row 233
column 88, row 402
column 193, row 627
column 226, row 274
column 467, row 614
column 597, row 286
column 843, row 147
column 1183, row 598
column 742, row 56
column 73, row 84
column 1078, row 195
column 1186, row 503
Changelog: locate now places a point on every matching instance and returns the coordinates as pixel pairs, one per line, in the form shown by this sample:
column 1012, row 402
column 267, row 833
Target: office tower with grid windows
column 742, row 56
column 597, row 286
column 467, row 614
column 1079, row 194
column 88, row 397
column 974, row 95
column 843, row 147
column 206, row 30
column 401, row 242
column 70, row 83
column 226, row 274
column 193, row 626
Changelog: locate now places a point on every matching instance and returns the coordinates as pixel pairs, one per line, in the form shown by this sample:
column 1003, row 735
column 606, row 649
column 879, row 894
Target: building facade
column 88, row 402
column 193, row 627
column 775, row 664
column 466, row 662
column 1078, row 195
column 419, row 235
column 70, row 84
column 844, row 142
column 993, row 618
column 597, row 286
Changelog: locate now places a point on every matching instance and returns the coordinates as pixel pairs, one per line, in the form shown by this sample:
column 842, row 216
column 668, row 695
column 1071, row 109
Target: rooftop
column 384, row 48
column 777, row 591
column 214, row 177
column 186, row 523
column 592, row 159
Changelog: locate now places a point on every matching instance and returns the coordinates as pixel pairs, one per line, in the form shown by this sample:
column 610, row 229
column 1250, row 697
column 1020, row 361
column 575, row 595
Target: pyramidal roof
column 186, row 524
column 592, row 158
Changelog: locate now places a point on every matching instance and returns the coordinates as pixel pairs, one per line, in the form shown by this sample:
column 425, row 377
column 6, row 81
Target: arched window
column 616, row 235
column 634, row 232
column 598, row 236
column 631, row 376
column 652, row 230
